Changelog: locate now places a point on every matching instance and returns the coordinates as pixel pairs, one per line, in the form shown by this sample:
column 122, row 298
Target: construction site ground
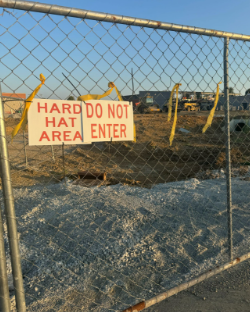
column 149, row 161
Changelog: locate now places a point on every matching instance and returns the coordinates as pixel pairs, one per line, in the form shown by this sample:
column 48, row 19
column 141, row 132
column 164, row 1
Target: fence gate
column 146, row 218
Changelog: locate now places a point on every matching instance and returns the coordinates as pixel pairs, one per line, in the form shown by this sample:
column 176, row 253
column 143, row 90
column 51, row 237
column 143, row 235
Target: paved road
column 225, row 292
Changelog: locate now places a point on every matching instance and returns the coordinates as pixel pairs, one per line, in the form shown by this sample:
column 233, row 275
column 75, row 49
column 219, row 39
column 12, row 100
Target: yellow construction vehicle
column 147, row 105
column 191, row 106
column 165, row 107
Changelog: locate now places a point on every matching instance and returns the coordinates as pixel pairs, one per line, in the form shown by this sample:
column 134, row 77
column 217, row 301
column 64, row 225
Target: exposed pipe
column 228, row 156
column 119, row 19
column 11, row 216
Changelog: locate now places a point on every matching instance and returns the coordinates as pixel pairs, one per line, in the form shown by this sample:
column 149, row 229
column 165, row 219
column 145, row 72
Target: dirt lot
column 149, row 161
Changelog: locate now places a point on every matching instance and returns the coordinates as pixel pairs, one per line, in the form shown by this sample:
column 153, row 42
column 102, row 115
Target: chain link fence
column 161, row 215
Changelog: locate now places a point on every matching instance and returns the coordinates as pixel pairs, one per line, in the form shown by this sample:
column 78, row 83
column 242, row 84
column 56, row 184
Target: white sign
column 52, row 122
column 108, row 121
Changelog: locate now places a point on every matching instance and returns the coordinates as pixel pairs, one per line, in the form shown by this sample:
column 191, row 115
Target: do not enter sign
column 52, row 122
column 107, row 120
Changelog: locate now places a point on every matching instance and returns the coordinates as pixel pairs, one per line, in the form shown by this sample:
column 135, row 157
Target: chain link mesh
column 160, row 217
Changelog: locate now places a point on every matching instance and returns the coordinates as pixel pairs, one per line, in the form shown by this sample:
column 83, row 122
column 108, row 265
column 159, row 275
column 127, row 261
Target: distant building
column 237, row 101
column 13, row 102
column 132, row 98
column 241, row 102
column 159, row 97
column 211, row 95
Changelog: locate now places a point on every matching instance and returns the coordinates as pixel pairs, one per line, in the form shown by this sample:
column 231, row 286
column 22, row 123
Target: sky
column 92, row 53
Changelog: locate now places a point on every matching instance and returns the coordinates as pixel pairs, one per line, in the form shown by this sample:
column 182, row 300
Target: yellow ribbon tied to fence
column 211, row 115
column 112, row 86
column 170, row 101
column 176, row 87
column 28, row 102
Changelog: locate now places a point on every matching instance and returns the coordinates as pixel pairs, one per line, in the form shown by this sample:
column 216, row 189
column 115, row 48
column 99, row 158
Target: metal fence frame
column 7, row 189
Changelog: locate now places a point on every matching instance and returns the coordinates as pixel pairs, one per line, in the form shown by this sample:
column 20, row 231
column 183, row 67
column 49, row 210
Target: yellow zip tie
column 170, row 101
column 211, row 115
column 28, row 102
column 134, row 133
column 175, row 115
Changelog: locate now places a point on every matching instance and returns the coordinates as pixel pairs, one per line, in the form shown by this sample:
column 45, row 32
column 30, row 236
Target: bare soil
column 149, row 161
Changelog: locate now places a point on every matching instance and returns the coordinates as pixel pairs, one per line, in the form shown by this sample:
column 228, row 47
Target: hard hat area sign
column 52, row 122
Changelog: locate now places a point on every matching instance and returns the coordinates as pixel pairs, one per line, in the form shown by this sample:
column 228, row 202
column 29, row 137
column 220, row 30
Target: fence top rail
column 119, row 19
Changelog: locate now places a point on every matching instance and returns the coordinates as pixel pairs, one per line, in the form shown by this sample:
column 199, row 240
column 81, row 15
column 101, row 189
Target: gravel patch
column 107, row 248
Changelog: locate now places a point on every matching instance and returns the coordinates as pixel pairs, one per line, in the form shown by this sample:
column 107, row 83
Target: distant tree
column 247, row 91
column 71, row 98
column 230, row 90
column 198, row 95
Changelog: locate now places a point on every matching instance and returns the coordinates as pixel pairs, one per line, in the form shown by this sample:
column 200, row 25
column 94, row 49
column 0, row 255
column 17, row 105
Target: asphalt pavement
column 228, row 291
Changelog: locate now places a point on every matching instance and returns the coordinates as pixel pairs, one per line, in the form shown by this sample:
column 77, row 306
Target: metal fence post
column 52, row 152
column 228, row 156
column 11, row 215
column 63, row 157
column 4, row 288
column 25, row 152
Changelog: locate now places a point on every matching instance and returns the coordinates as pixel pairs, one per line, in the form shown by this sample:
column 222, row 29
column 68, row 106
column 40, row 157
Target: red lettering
column 75, row 111
column 123, row 130
column 44, row 136
column 111, row 111
column 121, row 111
column 77, row 136
column 54, row 108
column 62, row 122
column 93, row 130
column 56, row 134
column 40, row 107
column 66, row 135
column 115, row 130
column 53, row 121
column 102, row 131
column 126, row 108
column 66, row 107
column 72, row 121
column 89, row 105
column 98, row 115
column 109, row 125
